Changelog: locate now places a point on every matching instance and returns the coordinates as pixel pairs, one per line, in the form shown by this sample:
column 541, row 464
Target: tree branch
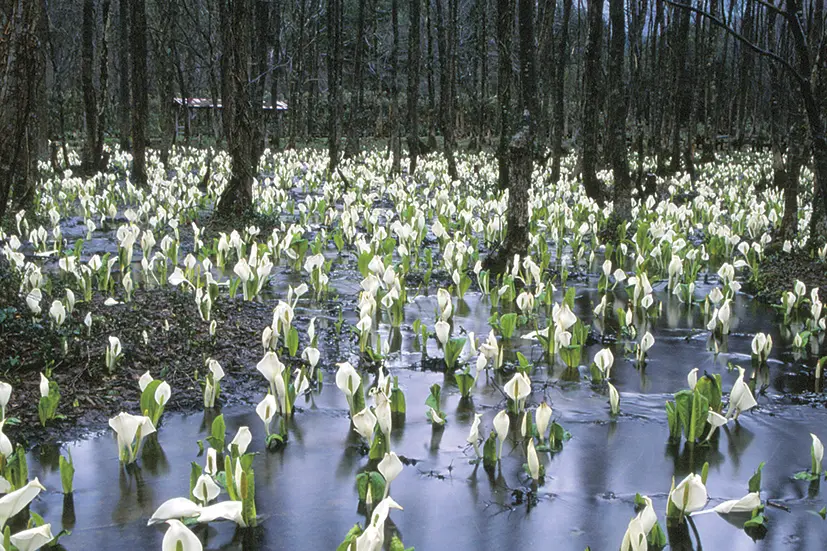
column 741, row 38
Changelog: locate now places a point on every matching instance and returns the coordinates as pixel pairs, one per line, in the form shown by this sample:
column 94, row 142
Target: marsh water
column 306, row 495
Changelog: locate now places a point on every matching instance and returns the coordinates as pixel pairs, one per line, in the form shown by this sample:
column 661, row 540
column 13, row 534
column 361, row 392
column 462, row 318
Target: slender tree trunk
column 680, row 92
column 124, row 107
column 559, row 121
column 334, row 85
column 92, row 148
column 546, row 48
column 104, row 85
column 617, row 112
column 592, row 101
column 429, row 68
column 482, row 61
column 445, row 87
column 413, row 84
column 140, row 100
column 710, row 77
column 274, row 79
column 165, row 67
column 354, row 126
column 396, row 134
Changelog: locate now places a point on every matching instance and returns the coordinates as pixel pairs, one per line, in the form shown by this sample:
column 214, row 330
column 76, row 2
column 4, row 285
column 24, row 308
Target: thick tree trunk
column 413, row 84
column 521, row 149
column 240, row 111
column 591, row 101
column 140, row 100
column 558, row 124
column 22, row 68
column 617, row 111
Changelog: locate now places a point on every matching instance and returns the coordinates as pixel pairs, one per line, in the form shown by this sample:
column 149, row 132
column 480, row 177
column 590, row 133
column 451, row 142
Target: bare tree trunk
column 140, row 100
column 240, row 111
column 92, row 147
column 354, row 124
column 617, row 111
column 22, row 66
column 396, row 133
column 413, row 84
column 505, row 21
column 104, row 85
column 680, row 92
column 429, row 68
column 521, row 148
column 334, row 84
column 165, row 67
column 559, row 122
column 274, row 78
column 445, row 86
column 592, row 101
column 124, row 123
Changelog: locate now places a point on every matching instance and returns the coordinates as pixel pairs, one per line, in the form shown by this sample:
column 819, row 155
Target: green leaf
column 149, row 406
column 755, row 479
column 351, row 536
column 823, row 513
column 433, row 398
column 67, row 472
column 700, row 412
column 371, row 479
column 489, row 451
column 508, row 322
column 683, row 407
column 756, row 521
column 656, row 537
column 293, row 341
column 673, row 421
column 710, row 387
column 397, row 398
column 465, row 381
column 452, row 350
column 217, row 433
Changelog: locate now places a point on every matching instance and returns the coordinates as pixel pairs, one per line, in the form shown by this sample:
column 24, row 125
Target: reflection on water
column 306, row 492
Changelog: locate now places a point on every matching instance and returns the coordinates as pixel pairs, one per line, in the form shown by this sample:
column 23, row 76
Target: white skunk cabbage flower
column 33, row 538
column 690, row 494
column 740, row 398
column 128, row 428
column 542, row 417
column 242, row 439
column 501, row 425
column 639, row 527
column 389, row 468
column 14, row 502
column 179, row 536
column 817, row 454
column 746, row 504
